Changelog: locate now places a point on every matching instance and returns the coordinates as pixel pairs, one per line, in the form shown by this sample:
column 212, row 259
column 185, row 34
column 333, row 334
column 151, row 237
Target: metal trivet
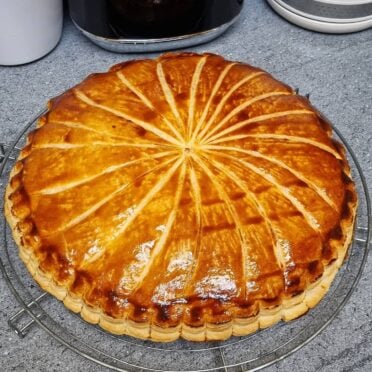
column 123, row 353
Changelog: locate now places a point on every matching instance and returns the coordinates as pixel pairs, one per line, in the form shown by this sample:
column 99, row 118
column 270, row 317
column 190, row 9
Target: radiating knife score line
column 196, row 193
column 232, row 210
column 280, row 137
column 77, row 125
column 216, row 87
column 57, row 189
column 135, row 90
column 161, row 244
column 108, row 198
column 144, row 125
column 148, row 103
column 223, row 101
column 192, row 96
column 68, row 146
column 256, row 119
column 281, row 164
column 169, row 96
column 164, row 179
column 240, row 108
column 277, row 247
column 308, row 216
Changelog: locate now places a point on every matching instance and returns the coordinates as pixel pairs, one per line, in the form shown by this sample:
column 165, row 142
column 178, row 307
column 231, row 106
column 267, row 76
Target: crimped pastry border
column 288, row 310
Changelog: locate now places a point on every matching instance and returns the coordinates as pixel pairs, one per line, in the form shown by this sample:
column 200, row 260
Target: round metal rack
column 122, row 353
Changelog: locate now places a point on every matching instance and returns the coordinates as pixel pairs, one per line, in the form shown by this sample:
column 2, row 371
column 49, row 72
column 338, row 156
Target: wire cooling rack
column 122, row 353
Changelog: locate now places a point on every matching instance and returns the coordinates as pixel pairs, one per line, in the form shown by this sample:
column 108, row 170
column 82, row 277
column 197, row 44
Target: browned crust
column 288, row 309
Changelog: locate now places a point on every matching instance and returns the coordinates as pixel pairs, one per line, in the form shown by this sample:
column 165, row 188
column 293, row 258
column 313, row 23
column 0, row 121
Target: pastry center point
column 188, row 148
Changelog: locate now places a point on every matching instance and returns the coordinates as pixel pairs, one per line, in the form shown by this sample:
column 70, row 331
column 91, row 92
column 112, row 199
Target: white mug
column 29, row 29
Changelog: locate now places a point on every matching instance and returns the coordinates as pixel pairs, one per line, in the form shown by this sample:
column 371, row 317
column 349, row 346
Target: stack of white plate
column 332, row 16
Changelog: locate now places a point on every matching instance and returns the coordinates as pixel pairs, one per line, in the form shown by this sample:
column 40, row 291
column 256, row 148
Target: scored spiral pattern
column 186, row 188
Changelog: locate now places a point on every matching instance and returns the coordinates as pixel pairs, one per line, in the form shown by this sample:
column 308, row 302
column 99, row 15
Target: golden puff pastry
column 186, row 196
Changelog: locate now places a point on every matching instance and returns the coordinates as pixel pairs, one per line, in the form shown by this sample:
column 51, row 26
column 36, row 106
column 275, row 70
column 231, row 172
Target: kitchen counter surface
column 335, row 69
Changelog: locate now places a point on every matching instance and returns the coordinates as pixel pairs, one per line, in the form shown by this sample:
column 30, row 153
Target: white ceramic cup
column 29, row 29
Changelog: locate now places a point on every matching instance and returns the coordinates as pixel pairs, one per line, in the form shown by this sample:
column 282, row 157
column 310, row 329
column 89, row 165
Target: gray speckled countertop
column 336, row 70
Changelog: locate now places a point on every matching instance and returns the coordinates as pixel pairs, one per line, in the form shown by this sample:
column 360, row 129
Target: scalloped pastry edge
column 288, row 310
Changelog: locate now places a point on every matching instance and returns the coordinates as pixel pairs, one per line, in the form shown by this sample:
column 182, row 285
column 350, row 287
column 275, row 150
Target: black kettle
column 149, row 25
